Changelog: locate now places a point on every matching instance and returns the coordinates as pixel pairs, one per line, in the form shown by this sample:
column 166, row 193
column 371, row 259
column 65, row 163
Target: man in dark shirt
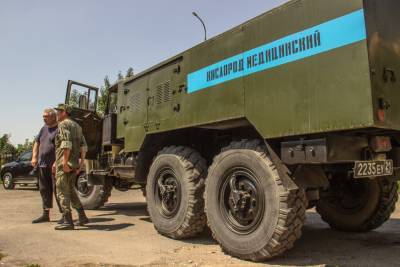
column 43, row 158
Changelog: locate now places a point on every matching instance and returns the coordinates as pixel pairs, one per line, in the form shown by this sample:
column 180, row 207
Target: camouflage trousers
column 65, row 185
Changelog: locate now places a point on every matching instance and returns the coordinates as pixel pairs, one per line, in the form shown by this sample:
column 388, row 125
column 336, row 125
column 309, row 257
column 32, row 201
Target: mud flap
column 283, row 171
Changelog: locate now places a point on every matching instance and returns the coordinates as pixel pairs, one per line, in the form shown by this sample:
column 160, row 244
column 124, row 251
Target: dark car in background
column 18, row 172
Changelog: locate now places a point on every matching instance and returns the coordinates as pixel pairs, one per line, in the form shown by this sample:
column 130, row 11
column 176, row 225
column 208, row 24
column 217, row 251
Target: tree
column 5, row 139
column 21, row 148
column 103, row 93
column 129, row 72
column 74, row 98
column 7, row 150
column 101, row 107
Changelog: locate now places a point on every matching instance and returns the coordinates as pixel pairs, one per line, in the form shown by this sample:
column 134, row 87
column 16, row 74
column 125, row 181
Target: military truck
column 294, row 109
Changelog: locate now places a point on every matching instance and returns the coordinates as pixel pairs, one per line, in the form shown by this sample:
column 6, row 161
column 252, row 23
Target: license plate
column 364, row 169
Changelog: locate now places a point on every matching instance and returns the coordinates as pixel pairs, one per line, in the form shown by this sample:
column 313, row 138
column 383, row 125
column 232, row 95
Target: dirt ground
column 121, row 234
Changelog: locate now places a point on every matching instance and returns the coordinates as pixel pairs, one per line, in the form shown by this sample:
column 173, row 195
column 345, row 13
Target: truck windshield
column 82, row 97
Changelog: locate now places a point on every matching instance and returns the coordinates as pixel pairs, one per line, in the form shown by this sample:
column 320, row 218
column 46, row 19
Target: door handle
column 150, row 100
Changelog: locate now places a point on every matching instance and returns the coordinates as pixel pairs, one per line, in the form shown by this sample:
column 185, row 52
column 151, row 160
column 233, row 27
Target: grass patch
column 32, row 265
column 2, row 255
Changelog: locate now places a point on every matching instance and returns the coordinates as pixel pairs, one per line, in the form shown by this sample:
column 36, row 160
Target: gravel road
column 121, row 234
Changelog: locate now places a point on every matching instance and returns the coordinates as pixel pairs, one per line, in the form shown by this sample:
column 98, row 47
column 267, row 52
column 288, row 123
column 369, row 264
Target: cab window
column 81, row 96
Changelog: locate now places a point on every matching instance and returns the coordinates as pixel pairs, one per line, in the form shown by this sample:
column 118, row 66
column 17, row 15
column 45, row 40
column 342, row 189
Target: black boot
column 61, row 220
column 68, row 223
column 82, row 218
column 44, row 218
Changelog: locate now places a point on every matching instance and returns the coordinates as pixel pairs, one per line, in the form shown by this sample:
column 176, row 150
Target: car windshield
column 26, row 156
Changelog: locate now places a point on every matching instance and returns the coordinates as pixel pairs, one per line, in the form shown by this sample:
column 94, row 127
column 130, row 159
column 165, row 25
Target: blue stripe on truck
column 327, row 36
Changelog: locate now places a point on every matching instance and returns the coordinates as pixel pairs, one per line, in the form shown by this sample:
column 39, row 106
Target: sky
column 45, row 43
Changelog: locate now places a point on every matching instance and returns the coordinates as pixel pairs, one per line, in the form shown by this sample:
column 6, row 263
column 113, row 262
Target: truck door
column 383, row 18
column 83, row 100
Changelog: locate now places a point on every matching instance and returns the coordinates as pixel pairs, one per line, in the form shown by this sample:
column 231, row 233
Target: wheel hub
column 241, row 201
column 349, row 195
column 169, row 194
column 7, row 180
column 82, row 186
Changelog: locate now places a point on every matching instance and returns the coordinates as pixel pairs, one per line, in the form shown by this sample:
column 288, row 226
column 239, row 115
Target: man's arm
column 66, row 153
column 35, row 152
column 66, row 145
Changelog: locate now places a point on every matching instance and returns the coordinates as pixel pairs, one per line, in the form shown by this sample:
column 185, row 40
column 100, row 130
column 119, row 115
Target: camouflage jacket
column 70, row 137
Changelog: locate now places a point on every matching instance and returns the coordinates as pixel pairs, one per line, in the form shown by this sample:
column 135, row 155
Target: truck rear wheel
column 357, row 205
column 250, row 212
column 175, row 187
column 92, row 196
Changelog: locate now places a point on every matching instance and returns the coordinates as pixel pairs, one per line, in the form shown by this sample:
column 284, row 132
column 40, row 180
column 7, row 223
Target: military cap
column 64, row 107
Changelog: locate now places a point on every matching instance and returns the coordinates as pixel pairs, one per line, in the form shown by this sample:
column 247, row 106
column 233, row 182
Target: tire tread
column 196, row 167
column 291, row 215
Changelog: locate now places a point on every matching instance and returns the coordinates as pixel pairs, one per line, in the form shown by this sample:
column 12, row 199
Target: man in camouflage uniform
column 70, row 154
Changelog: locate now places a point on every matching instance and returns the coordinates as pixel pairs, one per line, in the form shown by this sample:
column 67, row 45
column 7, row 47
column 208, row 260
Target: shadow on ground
column 105, row 227
column 319, row 244
column 126, row 209
column 25, row 188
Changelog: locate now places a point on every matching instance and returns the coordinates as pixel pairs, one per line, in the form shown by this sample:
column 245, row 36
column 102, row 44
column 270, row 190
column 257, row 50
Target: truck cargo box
column 309, row 66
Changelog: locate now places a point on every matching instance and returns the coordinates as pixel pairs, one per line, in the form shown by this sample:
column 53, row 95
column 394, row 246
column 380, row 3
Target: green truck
column 294, row 109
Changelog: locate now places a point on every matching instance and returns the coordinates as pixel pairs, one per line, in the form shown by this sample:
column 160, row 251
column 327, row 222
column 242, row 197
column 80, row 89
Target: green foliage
column 5, row 146
column 74, row 98
column 102, row 102
column 103, row 93
column 21, row 148
column 32, row 265
column 7, row 150
column 2, row 256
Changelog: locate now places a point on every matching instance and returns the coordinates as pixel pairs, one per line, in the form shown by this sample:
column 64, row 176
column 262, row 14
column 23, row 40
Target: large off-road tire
column 8, row 181
column 357, row 205
column 94, row 196
column 267, row 219
column 175, row 187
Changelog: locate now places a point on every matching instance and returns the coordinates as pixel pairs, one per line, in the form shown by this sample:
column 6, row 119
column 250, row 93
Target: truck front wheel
column 250, row 212
column 175, row 187
column 357, row 205
column 92, row 196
